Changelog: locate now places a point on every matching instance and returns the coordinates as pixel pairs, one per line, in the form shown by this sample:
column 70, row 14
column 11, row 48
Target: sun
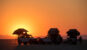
column 27, row 27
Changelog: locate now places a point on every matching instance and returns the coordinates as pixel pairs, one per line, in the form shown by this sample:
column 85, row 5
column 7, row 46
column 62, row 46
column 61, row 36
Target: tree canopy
column 73, row 32
column 20, row 31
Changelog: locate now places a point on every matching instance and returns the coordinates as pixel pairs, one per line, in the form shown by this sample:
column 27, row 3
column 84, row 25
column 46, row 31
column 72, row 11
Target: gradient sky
column 38, row 16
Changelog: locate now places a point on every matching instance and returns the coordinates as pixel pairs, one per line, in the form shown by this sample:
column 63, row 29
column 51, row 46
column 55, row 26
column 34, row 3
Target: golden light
column 21, row 26
column 17, row 26
column 24, row 32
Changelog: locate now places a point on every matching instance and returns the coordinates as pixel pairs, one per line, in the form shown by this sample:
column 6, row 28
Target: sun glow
column 25, row 26
column 39, row 16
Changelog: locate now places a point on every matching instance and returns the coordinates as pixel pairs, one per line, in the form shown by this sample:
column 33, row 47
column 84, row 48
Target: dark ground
column 12, row 45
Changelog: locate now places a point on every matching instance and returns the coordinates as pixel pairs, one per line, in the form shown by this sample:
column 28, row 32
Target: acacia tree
column 21, row 32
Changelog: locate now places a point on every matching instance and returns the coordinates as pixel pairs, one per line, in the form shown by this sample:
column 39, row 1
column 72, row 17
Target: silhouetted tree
column 20, row 31
column 54, row 35
column 72, row 34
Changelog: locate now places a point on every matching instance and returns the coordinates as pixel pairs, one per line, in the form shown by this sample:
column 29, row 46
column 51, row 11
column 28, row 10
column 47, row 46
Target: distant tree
column 54, row 35
column 21, row 32
column 72, row 36
column 73, row 33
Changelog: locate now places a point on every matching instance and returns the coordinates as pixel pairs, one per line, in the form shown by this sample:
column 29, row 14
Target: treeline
column 53, row 37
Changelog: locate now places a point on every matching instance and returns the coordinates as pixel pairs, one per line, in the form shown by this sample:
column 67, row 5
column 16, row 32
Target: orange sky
column 38, row 16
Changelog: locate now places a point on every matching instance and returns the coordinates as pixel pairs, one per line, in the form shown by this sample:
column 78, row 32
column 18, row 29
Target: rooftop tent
column 20, row 31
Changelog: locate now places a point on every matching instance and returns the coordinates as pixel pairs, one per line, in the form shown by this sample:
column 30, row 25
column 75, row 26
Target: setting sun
column 43, row 24
column 21, row 25
column 38, row 16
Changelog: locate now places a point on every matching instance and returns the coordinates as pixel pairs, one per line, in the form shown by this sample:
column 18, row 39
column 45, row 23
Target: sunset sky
column 38, row 16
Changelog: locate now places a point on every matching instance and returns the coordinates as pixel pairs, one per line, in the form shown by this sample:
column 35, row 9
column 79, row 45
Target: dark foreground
column 12, row 45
